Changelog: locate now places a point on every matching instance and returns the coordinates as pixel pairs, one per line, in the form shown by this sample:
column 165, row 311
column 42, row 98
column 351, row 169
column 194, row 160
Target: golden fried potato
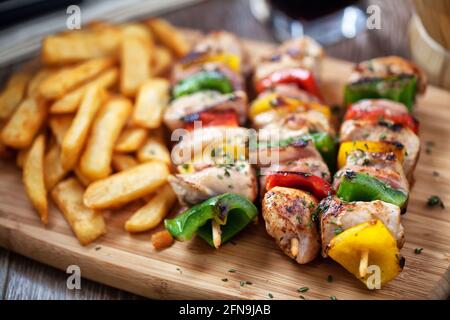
column 96, row 160
column 33, row 177
column 60, row 83
column 20, row 157
column 135, row 59
column 71, row 101
column 162, row 61
column 154, row 149
column 81, row 45
column 53, row 170
column 25, row 123
column 162, row 239
column 13, row 93
column 131, row 139
column 153, row 213
column 122, row 162
column 59, row 125
column 86, row 223
column 126, row 186
column 168, row 35
column 152, row 99
column 81, row 177
column 36, row 80
column 75, row 138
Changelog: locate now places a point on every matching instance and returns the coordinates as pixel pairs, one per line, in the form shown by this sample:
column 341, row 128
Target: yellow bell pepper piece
column 284, row 105
column 217, row 153
column 364, row 247
column 368, row 146
column 231, row 60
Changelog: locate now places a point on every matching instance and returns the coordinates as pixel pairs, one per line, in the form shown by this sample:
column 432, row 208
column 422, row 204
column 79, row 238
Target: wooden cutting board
column 193, row 270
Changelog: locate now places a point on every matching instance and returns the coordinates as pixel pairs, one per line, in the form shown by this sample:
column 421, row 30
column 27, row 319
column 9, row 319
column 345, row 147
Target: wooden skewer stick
column 294, row 247
column 216, row 234
column 363, row 263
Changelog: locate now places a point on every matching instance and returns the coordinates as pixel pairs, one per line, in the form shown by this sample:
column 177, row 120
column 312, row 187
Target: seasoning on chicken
column 288, row 214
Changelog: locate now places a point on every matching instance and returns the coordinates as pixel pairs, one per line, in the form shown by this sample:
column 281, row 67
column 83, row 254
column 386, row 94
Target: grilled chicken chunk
column 390, row 107
column 208, row 100
column 313, row 120
column 352, row 130
column 219, row 42
column 291, row 91
column 192, row 188
column 337, row 216
column 297, row 53
column 383, row 166
column 384, row 67
column 288, row 214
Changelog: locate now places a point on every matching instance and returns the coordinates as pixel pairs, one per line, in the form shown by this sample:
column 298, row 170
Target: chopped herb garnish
column 224, row 280
column 435, row 201
column 418, row 250
column 97, row 248
column 303, row 289
column 301, row 297
column 227, row 173
column 232, row 270
column 337, row 230
column 179, row 270
column 270, row 296
column 383, row 136
column 333, row 298
column 330, row 278
column 242, row 283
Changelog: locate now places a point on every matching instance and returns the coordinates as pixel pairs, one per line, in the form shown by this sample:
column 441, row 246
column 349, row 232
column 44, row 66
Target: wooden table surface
column 22, row 278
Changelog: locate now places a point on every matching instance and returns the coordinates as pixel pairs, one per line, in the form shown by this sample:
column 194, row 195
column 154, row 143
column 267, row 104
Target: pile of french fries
column 85, row 124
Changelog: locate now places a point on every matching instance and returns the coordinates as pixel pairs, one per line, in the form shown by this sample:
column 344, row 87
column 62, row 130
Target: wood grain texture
column 235, row 16
column 194, row 270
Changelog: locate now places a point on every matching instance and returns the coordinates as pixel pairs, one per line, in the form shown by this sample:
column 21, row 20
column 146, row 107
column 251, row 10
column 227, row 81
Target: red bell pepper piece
column 227, row 118
column 303, row 78
column 376, row 114
column 317, row 186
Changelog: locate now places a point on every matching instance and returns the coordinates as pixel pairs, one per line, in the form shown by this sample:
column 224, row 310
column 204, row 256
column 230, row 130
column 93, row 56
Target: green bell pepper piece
column 203, row 80
column 327, row 146
column 400, row 89
column 232, row 212
column 324, row 143
column 363, row 187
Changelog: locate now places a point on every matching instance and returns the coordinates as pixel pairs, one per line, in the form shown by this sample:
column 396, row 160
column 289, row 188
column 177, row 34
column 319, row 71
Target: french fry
column 126, row 186
column 5, row 151
column 86, row 223
column 151, row 214
column 162, row 60
column 33, row 177
column 96, row 160
column 13, row 93
column 53, row 170
column 25, row 123
column 81, row 177
column 131, row 139
column 35, row 82
column 71, row 101
column 135, row 47
column 168, row 35
column 20, row 157
column 81, row 45
column 59, row 125
column 75, row 138
column 122, row 162
column 57, row 85
column 154, row 149
column 152, row 99
column 162, row 239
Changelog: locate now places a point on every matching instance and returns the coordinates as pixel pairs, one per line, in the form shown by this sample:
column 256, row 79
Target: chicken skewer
column 361, row 225
column 209, row 105
column 294, row 175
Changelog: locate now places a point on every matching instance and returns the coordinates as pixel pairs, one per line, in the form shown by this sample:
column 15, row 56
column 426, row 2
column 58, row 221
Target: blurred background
column 416, row 29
